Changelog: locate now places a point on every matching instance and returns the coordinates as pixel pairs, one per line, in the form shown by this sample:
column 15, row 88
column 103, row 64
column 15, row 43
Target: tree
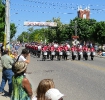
column 56, row 33
column 23, row 37
column 99, row 32
column 85, row 28
column 2, row 21
column 2, row 2
column 12, row 30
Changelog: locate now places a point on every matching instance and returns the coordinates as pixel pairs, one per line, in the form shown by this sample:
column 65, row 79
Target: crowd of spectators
column 14, row 68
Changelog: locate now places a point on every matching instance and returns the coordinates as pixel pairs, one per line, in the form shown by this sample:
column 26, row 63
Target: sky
column 44, row 10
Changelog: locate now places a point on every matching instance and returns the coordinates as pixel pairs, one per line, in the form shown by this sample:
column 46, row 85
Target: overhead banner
column 51, row 24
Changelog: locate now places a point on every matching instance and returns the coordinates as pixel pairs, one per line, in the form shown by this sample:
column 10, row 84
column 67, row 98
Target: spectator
column 2, row 49
column 103, row 53
column 7, row 73
column 22, row 89
column 96, row 47
column 43, row 86
column 16, row 47
column 100, row 53
column 12, row 55
column 25, row 56
column 53, row 94
column 15, row 53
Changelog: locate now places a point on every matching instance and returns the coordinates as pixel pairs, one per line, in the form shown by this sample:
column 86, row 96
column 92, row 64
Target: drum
column 93, row 53
column 60, row 53
column 45, row 53
column 80, row 52
column 67, row 53
column 39, row 48
column 74, row 53
column 52, row 53
column 88, row 53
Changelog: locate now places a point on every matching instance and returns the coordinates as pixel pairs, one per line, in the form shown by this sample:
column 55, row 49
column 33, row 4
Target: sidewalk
column 4, row 96
column 99, row 56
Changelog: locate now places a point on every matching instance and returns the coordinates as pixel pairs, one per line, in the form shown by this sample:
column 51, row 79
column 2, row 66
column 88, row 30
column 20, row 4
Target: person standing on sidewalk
column 2, row 50
column 6, row 62
column 25, row 56
column 22, row 89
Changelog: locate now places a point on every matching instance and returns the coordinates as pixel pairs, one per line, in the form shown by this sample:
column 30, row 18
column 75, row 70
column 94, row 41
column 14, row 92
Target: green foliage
column 12, row 30
column 2, row 2
column 99, row 33
column 84, row 28
column 87, row 30
column 2, row 23
column 23, row 37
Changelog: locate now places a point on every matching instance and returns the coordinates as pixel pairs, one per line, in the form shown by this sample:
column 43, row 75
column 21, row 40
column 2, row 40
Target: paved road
column 78, row 80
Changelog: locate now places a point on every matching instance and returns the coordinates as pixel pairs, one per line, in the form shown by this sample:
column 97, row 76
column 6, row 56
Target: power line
column 62, row 4
column 42, row 11
column 45, row 6
column 49, row 7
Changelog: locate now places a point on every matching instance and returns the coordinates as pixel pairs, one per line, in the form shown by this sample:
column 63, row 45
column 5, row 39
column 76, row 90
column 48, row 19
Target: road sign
column 51, row 24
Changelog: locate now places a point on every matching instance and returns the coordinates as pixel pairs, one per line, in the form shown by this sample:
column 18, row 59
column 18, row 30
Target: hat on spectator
column 53, row 94
column 20, row 67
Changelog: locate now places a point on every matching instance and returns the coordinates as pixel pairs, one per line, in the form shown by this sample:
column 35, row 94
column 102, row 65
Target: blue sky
column 43, row 10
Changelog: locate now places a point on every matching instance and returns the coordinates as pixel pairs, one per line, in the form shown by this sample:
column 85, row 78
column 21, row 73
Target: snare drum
column 88, row 53
column 74, row 53
column 60, row 53
column 67, row 53
column 52, row 53
column 93, row 53
column 45, row 53
column 80, row 53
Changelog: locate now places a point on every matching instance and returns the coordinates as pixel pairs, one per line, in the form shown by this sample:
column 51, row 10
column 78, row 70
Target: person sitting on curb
column 21, row 87
column 54, row 94
column 43, row 86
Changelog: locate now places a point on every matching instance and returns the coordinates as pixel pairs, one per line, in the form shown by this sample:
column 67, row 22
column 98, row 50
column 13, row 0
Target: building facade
column 84, row 13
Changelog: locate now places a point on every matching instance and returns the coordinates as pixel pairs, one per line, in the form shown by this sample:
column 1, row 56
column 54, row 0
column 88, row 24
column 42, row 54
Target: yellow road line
column 91, row 66
column 0, row 70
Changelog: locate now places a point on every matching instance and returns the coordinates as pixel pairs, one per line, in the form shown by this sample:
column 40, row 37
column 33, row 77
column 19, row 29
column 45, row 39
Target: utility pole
column 7, row 24
column 75, row 28
column 23, row 38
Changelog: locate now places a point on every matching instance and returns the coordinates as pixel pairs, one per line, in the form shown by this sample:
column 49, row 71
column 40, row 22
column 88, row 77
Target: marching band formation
column 60, row 51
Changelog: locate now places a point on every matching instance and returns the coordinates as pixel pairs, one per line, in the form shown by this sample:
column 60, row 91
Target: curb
column 100, row 56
